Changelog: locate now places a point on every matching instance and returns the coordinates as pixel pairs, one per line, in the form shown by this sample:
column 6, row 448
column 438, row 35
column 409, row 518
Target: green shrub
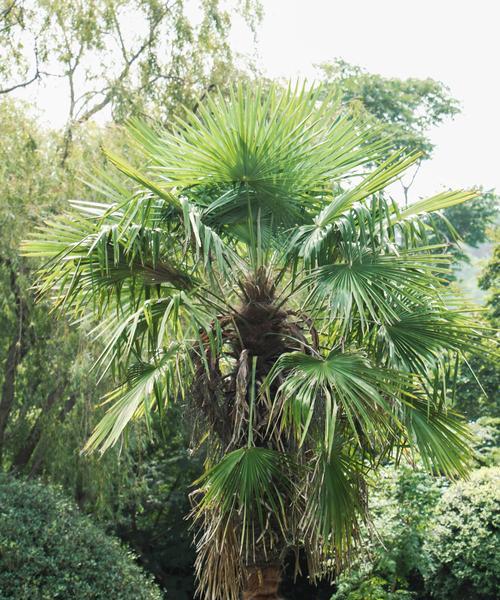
column 49, row 550
column 360, row 586
column 486, row 431
column 464, row 545
column 390, row 561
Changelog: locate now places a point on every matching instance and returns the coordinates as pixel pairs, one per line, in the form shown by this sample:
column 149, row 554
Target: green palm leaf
column 420, row 335
column 135, row 398
column 341, row 384
column 259, row 150
column 248, row 485
column 441, row 436
column 335, row 502
column 373, row 287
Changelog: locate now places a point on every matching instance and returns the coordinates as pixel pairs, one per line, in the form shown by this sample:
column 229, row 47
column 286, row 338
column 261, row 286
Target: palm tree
column 255, row 271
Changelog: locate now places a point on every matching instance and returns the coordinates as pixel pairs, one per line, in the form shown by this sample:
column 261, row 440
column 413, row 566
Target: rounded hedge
column 49, row 550
column 464, row 546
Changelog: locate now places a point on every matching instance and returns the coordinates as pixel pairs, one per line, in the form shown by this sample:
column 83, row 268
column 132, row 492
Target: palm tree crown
column 255, row 270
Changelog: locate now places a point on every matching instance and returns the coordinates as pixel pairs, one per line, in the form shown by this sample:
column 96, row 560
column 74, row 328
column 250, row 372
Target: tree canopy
column 407, row 108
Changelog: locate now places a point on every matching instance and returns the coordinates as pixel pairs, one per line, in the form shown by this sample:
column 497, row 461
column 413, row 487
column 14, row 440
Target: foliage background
column 49, row 394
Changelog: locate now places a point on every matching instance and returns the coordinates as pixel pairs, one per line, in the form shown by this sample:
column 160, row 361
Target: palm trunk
column 262, row 583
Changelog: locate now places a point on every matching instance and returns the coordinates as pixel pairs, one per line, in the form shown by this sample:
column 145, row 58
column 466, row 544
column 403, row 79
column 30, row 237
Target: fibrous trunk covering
column 262, row 583
column 259, row 328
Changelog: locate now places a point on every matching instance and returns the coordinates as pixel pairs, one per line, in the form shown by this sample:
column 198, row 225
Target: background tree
column 479, row 378
column 307, row 347
column 122, row 56
column 432, row 540
column 464, row 548
column 34, row 387
column 490, row 282
column 472, row 226
column 407, row 108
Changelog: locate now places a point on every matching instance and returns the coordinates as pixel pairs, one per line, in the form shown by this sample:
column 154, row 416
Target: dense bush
column 432, row 541
column 464, row 546
column 366, row 586
column 48, row 550
column 390, row 563
column 486, row 431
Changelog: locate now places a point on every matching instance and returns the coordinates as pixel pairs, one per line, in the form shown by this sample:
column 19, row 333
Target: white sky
column 454, row 41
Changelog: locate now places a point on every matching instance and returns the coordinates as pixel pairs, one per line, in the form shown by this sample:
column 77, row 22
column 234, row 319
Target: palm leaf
column 259, row 149
column 342, row 383
column 420, row 335
column 372, row 287
column 147, row 382
column 441, row 436
column 335, row 504
column 438, row 202
column 248, row 484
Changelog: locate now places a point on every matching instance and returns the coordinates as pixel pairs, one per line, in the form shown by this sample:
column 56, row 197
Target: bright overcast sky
column 454, row 41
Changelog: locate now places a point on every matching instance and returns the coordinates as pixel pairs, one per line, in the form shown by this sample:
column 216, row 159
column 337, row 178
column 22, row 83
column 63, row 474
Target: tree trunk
column 25, row 453
column 15, row 353
column 8, row 389
column 262, row 583
column 38, row 453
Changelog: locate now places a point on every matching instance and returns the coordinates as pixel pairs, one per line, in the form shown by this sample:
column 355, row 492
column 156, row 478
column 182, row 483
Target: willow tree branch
column 26, row 83
column 129, row 62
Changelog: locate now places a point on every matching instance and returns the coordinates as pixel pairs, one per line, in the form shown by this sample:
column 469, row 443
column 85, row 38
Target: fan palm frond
column 253, row 151
column 342, row 384
column 372, row 287
column 420, row 334
column 441, row 436
column 246, row 483
column 148, row 384
column 336, row 503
